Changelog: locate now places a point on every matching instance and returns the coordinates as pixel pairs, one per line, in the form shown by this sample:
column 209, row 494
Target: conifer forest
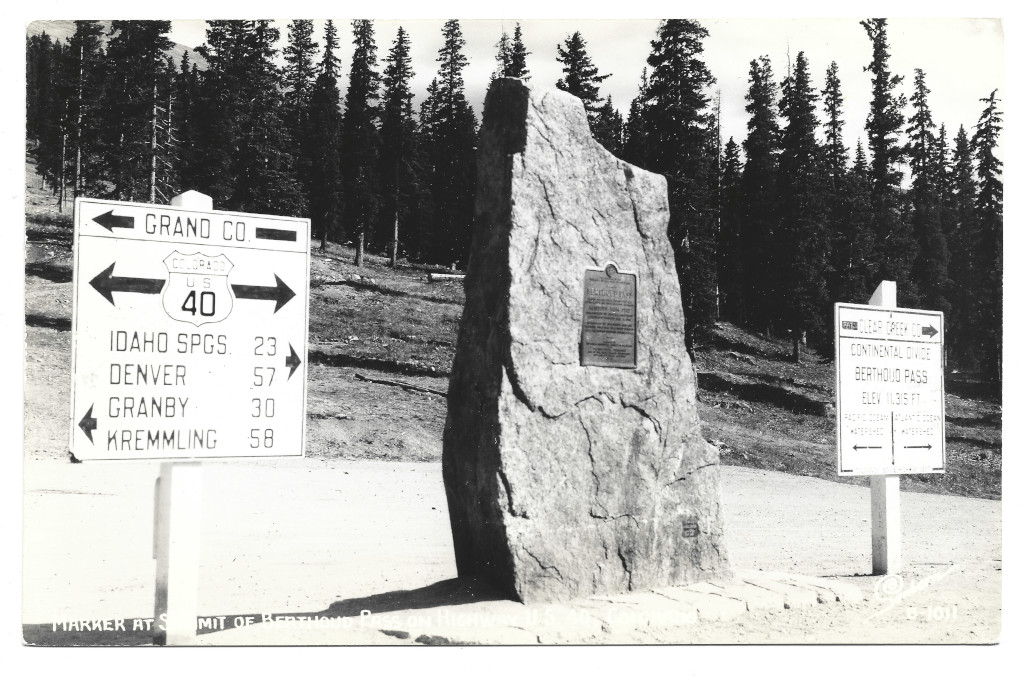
column 769, row 231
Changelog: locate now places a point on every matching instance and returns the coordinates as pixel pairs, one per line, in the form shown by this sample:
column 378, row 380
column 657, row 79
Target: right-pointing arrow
column 88, row 424
column 292, row 361
column 929, row 447
column 928, row 331
column 279, row 292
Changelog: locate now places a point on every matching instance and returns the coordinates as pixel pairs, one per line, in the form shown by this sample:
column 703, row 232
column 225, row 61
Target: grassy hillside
column 373, row 327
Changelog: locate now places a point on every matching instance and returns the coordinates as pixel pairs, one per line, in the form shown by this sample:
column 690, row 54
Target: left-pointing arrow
column 88, row 424
column 110, row 221
column 106, row 283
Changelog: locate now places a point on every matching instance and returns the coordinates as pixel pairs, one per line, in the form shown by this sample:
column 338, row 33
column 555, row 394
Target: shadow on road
column 364, row 286
column 54, row 273
column 453, row 592
column 384, row 366
column 42, row 321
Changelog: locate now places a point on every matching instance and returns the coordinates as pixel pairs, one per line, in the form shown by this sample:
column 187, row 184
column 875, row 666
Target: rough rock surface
column 566, row 480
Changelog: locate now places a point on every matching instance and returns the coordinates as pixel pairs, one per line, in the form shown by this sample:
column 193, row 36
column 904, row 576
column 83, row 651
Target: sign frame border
column 890, row 470
column 636, row 316
column 75, row 288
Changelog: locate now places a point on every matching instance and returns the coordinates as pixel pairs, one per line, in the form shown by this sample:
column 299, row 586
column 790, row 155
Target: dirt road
column 296, row 536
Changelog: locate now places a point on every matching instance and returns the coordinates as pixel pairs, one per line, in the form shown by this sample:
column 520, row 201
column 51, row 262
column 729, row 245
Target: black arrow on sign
column 928, row 331
column 276, row 233
column 292, row 360
column 107, row 284
column 860, row 448
column 279, row 292
column 110, row 221
column 88, row 424
column 929, row 447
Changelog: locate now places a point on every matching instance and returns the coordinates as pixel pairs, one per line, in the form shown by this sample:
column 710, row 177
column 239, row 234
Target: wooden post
column 177, row 525
column 176, row 533
column 886, row 526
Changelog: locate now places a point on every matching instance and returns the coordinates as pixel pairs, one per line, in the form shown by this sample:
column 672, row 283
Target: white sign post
column 189, row 334
column 890, row 406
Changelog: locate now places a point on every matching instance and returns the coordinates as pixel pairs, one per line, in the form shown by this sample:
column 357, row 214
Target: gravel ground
column 298, row 535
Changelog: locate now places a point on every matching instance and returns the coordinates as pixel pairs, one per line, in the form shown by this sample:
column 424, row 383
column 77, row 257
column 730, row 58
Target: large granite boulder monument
column 573, row 460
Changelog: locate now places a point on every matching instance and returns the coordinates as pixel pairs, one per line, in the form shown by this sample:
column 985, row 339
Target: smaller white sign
column 890, row 393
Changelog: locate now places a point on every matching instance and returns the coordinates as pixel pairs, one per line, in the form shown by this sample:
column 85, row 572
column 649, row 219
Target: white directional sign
column 890, row 394
column 189, row 333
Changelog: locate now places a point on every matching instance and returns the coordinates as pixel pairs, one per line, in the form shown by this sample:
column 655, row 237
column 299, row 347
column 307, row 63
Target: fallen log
column 442, row 276
column 400, row 383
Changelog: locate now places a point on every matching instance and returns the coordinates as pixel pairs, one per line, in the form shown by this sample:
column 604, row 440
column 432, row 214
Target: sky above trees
column 962, row 58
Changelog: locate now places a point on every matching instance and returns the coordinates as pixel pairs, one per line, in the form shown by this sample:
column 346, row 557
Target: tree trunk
column 359, row 249
column 796, row 347
column 394, row 242
column 169, row 144
column 78, row 120
column 61, row 179
column 152, row 152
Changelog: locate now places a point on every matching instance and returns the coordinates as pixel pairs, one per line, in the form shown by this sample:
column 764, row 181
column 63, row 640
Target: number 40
column 190, row 303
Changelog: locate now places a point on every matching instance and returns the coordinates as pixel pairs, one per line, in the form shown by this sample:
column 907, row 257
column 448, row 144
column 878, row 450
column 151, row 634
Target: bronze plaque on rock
column 609, row 318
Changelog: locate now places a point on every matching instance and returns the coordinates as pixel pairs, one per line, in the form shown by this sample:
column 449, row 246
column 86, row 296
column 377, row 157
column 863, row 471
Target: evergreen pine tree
column 323, row 138
column 218, row 114
column 517, row 62
column 300, row 70
column 680, row 145
column 38, row 54
column 943, row 179
column 730, row 260
column 760, row 191
column 401, row 177
column 132, row 107
column 608, row 126
column 962, row 232
column 989, row 257
column 930, row 270
column 580, row 77
column 166, row 177
column 87, row 68
column 266, row 158
column 861, row 260
column 48, row 111
column 449, row 133
column 299, row 78
column 852, row 259
column 186, row 85
column 897, row 247
column 429, row 113
column 634, row 131
column 801, row 246
column 248, row 161
column 361, row 138
column 835, row 155
column 503, row 57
